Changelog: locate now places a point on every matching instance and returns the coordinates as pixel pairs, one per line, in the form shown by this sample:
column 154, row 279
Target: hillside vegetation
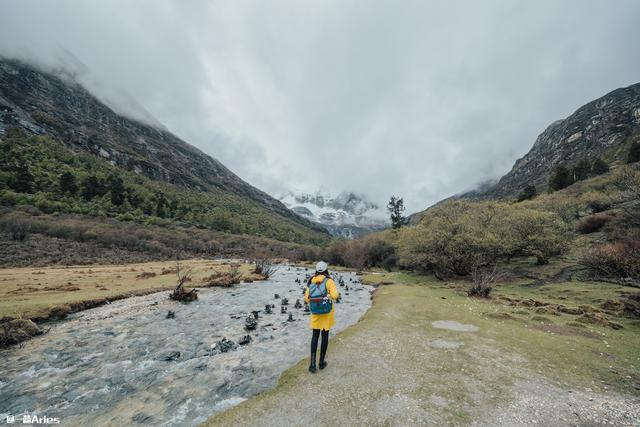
column 47, row 189
column 595, row 222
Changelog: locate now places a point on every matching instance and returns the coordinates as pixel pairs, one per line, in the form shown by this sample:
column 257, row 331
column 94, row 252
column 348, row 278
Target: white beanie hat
column 321, row 267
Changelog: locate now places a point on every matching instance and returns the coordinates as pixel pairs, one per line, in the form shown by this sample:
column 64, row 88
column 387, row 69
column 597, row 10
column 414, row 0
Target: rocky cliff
column 602, row 128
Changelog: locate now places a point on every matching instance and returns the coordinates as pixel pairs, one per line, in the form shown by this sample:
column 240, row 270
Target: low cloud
column 419, row 99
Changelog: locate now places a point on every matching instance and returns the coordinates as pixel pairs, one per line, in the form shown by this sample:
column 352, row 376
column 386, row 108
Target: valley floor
column 493, row 363
column 43, row 293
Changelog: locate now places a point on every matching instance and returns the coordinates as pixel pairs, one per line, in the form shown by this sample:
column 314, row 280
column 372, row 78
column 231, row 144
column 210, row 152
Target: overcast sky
column 421, row 99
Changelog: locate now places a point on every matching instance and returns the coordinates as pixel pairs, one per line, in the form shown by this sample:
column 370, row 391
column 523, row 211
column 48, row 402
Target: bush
column 593, row 223
column 458, row 237
column 560, row 178
column 633, row 155
column 618, row 260
column 18, row 228
column 528, row 192
column 482, row 282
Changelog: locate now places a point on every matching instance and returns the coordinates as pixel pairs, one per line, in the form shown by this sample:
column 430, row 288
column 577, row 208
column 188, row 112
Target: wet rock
column 142, row 418
column 276, row 296
column 298, row 304
column 170, row 356
column 171, row 315
column 306, row 308
column 290, row 318
column 245, row 340
column 255, row 313
column 250, row 323
column 284, row 301
column 224, row 345
column 267, row 309
column 283, row 309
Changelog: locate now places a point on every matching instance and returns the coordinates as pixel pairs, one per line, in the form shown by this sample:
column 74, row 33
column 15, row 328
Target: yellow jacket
column 323, row 321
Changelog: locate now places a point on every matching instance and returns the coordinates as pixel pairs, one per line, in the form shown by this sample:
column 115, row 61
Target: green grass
column 605, row 356
column 385, row 356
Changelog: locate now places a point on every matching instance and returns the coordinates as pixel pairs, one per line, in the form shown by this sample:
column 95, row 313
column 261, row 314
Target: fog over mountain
column 419, row 99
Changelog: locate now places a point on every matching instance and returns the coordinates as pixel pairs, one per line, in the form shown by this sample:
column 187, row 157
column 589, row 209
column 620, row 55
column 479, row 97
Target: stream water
column 127, row 363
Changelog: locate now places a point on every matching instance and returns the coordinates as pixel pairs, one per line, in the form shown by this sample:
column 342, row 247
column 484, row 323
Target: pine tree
column 115, row 187
column 528, row 192
column 396, row 208
column 599, row 166
column 23, row 180
column 68, row 183
column 582, row 170
column 560, row 178
column 91, row 187
column 633, row 155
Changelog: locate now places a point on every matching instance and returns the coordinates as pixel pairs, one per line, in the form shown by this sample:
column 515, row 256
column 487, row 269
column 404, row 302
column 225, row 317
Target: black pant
column 323, row 346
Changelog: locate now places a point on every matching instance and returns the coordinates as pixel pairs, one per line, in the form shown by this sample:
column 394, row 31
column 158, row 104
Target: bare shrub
column 483, row 280
column 593, row 223
column 18, row 228
column 618, row 260
column 235, row 273
column 180, row 293
column 264, row 266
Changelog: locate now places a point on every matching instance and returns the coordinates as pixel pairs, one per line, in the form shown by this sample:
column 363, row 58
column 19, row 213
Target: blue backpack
column 319, row 302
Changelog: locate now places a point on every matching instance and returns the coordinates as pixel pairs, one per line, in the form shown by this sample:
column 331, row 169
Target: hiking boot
column 312, row 365
column 322, row 364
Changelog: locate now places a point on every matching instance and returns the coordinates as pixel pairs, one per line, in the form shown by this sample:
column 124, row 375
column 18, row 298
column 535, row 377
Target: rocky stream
column 149, row 360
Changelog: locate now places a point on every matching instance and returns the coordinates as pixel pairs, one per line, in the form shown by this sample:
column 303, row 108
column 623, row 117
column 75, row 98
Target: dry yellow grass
column 33, row 292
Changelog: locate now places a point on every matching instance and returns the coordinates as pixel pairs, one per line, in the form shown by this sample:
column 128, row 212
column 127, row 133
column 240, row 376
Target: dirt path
column 396, row 368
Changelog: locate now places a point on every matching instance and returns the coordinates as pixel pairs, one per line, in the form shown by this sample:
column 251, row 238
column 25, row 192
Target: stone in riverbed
column 284, row 301
column 298, row 304
column 170, row 356
column 224, row 345
column 171, row 315
column 276, row 296
column 267, row 309
column 255, row 313
column 290, row 319
column 250, row 323
column 283, row 309
column 245, row 340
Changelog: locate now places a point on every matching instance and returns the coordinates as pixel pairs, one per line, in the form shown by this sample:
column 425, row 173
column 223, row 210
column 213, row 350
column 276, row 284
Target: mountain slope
column 56, row 106
column 347, row 215
column 601, row 128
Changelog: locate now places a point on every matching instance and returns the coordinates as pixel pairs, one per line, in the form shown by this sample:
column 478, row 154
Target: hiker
column 320, row 294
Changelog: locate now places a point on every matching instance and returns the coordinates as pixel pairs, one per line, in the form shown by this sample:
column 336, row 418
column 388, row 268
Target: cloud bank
column 415, row 98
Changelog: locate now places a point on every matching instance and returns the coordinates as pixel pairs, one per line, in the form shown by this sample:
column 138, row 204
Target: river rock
column 298, row 304
column 171, row 314
column 224, row 345
column 250, row 323
column 170, row 356
column 284, row 301
column 245, row 340
column 267, row 309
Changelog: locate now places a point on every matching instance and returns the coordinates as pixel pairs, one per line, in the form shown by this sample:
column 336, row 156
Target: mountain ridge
column 599, row 128
column 59, row 107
